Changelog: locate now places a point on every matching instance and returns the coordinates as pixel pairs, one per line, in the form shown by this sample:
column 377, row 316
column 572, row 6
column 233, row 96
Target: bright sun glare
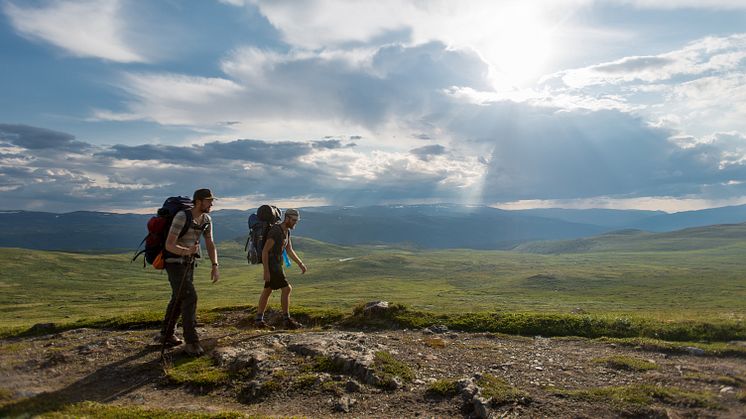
column 516, row 42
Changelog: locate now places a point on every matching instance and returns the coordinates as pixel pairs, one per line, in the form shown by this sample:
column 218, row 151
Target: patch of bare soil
column 392, row 373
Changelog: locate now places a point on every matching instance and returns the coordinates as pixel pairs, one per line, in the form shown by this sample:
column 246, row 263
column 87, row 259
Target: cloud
column 119, row 176
column 214, row 152
column 543, row 154
column 427, row 151
column 702, row 57
column 695, row 90
column 686, row 4
column 82, row 28
column 299, row 94
column 33, row 138
column 238, row 3
column 510, row 152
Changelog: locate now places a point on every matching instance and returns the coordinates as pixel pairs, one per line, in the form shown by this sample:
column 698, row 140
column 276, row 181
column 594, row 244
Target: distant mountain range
column 423, row 226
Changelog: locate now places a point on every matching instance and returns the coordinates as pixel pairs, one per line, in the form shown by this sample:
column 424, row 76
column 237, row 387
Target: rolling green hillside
column 705, row 283
column 697, row 238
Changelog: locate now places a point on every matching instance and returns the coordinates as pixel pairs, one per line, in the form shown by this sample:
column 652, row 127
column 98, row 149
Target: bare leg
column 285, row 299
column 263, row 299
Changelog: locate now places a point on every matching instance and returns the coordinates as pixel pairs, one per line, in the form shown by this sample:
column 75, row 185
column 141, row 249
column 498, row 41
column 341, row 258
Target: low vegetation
column 388, row 369
column 702, row 348
column 323, row 363
column 725, row 380
column 621, row 397
column 649, row 284
column 668, row 336
column 108, row 411
column 196, row 371
column 500, row 391
column 442, row 388
column 304, row 381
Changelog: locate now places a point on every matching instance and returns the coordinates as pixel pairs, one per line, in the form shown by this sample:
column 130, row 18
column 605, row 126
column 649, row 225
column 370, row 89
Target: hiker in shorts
column 278, row 239
column 181, row 255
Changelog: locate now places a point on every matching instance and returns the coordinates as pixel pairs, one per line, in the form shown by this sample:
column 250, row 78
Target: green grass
column 387, row 368
column 641, row 395
column 323, row 363
column 499, row 391
column 5, row 395
column 719, row 379
column 304, row 381
column 105, row 411
column 702, row 288
column 630, row 331
column 196, row 371
column 709, row 348
column 442, row 388
column 628, row 363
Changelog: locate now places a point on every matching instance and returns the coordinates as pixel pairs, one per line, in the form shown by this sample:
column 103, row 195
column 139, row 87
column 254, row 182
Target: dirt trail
column 320, row 373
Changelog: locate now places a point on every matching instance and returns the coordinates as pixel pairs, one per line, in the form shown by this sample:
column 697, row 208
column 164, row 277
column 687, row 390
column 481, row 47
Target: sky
column 114, row 105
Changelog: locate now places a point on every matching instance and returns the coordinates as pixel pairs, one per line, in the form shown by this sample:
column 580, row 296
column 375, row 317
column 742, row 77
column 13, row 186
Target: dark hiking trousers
column 186, row 304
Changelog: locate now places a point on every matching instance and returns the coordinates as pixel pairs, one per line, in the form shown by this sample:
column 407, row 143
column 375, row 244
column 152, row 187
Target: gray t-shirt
column 201, row 226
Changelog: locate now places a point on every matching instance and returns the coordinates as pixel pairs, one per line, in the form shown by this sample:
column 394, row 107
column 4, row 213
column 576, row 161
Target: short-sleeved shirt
column 202, row 228
column 281, row 241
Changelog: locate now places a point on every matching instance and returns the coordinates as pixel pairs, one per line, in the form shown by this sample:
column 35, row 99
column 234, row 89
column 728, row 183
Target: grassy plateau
column 672, row 285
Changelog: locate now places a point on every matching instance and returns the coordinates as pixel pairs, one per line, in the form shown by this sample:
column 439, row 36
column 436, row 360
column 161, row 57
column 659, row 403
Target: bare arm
column 295, row 257
column 178, row 249
column 212, row 252
column 265, row 257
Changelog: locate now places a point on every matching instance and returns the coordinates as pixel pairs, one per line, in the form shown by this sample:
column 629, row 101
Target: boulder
column 436, row 329
column 344, row 350
column 236, row 359
column 344, row 403
column 376, row 308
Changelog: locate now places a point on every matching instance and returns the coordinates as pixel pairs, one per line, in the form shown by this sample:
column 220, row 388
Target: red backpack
column 158, row 228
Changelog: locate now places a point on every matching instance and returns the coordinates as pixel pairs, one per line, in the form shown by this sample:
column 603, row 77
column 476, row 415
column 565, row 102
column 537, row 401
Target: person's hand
column 193, row 249
column 266, row 276
column 215, row 274
column 303, row 268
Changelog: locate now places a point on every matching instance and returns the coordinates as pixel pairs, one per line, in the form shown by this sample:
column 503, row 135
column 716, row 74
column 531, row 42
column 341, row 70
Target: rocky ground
column 328, row 372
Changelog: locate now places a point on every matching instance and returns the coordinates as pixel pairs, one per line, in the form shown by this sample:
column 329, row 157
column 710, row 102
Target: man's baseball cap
column 292, row 212
column 202, row 194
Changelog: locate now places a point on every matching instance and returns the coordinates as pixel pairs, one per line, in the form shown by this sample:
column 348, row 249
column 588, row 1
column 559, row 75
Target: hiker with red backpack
column 182, row 250
column 278, row 240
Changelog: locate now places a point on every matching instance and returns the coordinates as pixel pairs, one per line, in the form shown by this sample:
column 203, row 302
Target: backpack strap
column 138, row 248
column 187, row 223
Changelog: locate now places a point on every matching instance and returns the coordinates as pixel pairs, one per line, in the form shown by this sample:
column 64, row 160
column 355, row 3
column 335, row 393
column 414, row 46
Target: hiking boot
column 170, row 341
column 291, row 323
column 261, row 324
column 193, row 349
